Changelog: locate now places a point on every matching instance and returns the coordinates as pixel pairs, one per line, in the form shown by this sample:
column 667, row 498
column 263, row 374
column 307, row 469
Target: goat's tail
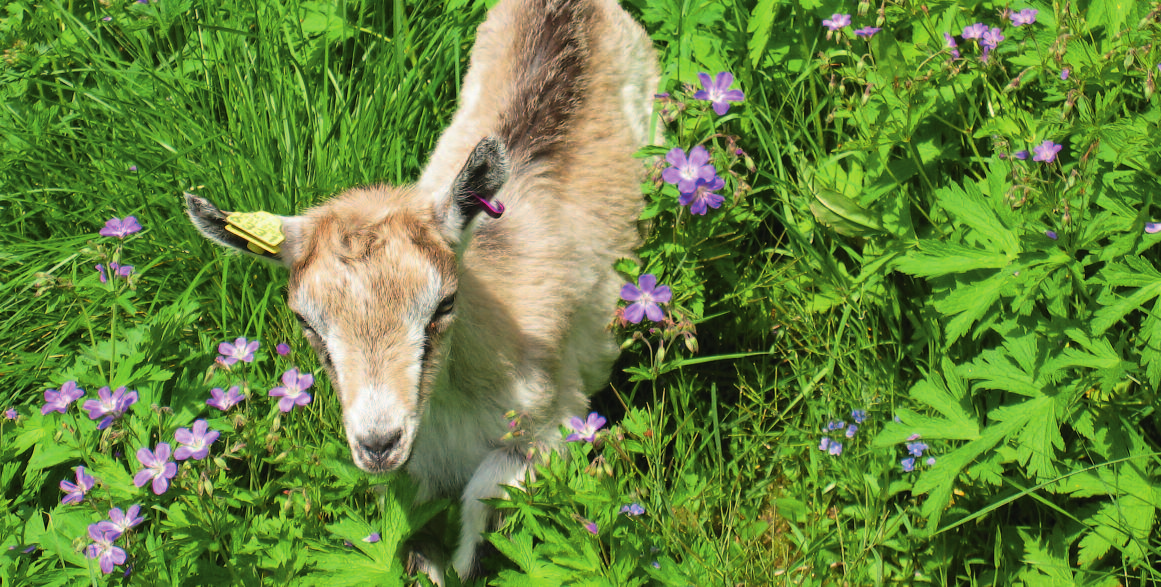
column 553, row 46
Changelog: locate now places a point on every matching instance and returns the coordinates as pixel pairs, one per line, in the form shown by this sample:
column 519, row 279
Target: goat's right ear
column 261, row 234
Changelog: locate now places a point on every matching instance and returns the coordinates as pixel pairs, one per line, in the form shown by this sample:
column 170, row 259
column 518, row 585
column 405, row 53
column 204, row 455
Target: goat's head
column 373, row 282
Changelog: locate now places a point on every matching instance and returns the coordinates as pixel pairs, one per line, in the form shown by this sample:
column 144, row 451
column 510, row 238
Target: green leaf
column 968, row 206
column 936, row 258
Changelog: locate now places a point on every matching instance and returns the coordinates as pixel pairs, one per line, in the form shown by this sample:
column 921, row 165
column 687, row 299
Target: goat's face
column 375, row 300
column 373, row 282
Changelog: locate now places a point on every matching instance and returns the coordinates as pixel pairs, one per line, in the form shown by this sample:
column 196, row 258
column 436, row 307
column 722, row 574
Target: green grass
column 874, row 251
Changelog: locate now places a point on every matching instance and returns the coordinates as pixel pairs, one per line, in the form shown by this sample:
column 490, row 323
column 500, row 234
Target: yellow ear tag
column 262, row 230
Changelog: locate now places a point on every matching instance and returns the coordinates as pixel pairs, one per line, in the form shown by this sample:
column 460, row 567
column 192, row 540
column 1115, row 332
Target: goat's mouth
column 380, row 452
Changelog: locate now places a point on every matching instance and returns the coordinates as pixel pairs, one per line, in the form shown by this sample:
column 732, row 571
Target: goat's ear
column 475, row 187
column 273, row 238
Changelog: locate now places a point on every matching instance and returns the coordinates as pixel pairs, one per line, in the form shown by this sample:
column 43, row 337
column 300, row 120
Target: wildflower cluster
column 833, row 446
column 915, row 448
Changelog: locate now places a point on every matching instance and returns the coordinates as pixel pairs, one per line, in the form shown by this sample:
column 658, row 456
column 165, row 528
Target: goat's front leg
column 506, row 466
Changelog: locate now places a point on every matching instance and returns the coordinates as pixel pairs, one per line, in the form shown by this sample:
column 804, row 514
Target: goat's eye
column 445, row 307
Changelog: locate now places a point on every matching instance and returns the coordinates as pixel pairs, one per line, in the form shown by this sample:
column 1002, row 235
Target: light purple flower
column 75, row 492
column 633, row 509
column 974, row 31
column 102, row 547
column 1046, row 151
column 950, row 40
column 11, row 414
column 120, row 228
column 1153, row 227
column 293, row 390
column 586, row 429
column 837, row 21
column 372, row 538
column 688, row 170
column 101, row 273
column 824, row 443
column 158, row 468
column 1021, row 155
column 1023, row 17
column 109, row 406
column 717, row 91
column 224, row 400
column 59, row 401
column 991, row 38
column 646, row 299
column 852, row 430
column 282, row 349
column 916, row 448
column 133, row 168
column 858, row 416
column 915, row 436
column 908, row 464
column 867, row 32
column 1064, row 73
column 703, row 196
column 1051, row 234
column 835, row 425
column 121, row 270
column 122, row 522
column 194, row 444
column 836, row 448
column 592, row 527
column 239, row 350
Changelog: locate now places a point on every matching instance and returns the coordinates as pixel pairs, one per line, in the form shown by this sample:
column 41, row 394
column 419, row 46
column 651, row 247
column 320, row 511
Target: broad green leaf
column 968, row 206
column 937, row 258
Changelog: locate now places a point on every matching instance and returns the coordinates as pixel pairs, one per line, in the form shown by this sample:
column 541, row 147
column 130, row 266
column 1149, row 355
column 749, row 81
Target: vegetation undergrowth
column 896, row 319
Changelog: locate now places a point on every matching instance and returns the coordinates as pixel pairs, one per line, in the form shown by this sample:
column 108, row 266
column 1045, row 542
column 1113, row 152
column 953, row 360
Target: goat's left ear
column 475, row 187
column 260, row 234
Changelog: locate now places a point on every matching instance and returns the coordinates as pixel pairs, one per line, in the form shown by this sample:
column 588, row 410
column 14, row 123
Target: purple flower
column 121, row 522
column 915, row 436
column 592, row 527
column 835, row 425
column 991, row 38
column 372, row 538
column 240, row 350
column 75, row 493
column 1046, row 151
column 59, row 401
column 1153, row 227
column 974, row 31
column 950, row 40
column 224, row 400
column 858, row 416
column 837, row 21
column 836, row 448
column 103, row 548
column 852, row 430
column 687, row 171
column 133, row 168
column 293, row 390
column 158, row 468
column 646, row 299
column 282, row 349
column 121, row 270
column 824, row 444
column 867, row 32
column 195, row 444
column 703, row 196
column 1026, row 16
column 930, row 461
column 908, row 464
column 11, row 414
column 1064, row 73
column 110, row 406
column 1050, row 234
column 586, row 429
column 633, row 509
column 120, row 228
column 916, row 448
column 718, row 92
column 101, row 273
column 1021, row 155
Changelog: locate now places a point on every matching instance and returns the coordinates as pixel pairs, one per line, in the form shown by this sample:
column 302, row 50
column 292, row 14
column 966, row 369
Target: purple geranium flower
column 372, row 538
column 282, row 349
column 224, row 400
column 11, row 414
column 121, row 522
column 688, row 170
column 101, row 273
column 586, row 429
column 110, row 405
column 120, row 228
column 867, row 32
column 103, row 548
column 837, row 21
column 1064, row 73
column 950, row 40
column 195, row 444
column 293, row 390
column 908, row 464
column 75, row 492
column 703, row 196
column 1021, row 154
column 1023, row 17
column 1046, row 151
column 592, row 527
column 158, row 468
column 239, row 350
column 646, row 299
column 633, row 509
column 718, row 92
column 55, row 401
column 916, row 448
column 974, row 31
column 991, row 38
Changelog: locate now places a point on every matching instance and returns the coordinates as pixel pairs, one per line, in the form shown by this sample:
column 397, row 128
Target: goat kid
column 434, row 321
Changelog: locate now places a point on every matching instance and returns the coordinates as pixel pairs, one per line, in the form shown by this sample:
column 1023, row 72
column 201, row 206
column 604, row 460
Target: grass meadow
column 918, row 342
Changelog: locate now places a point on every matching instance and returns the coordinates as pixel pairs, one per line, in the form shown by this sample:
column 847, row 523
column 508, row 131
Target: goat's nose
column 378, row 446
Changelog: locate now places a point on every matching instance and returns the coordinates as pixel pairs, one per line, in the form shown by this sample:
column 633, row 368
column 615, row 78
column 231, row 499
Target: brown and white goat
column 434, row 320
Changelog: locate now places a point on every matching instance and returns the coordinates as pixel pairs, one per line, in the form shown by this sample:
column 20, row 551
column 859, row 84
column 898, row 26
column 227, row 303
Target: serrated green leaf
column 936, row 258
column 967, row 205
